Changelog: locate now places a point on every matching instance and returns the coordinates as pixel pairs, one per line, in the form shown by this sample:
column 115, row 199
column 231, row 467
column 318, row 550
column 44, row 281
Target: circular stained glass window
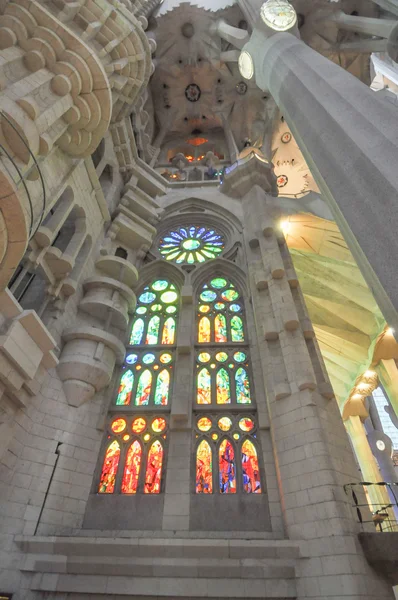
column 214, row 436
column 147, row 437
column 159, row 424
column 148, row 359
column 204, row 424
column 141, row 310
column 236, row 436
column 218, row 283
column 204, row 308
column 118, row 425
column 138, row 425
column 208, row 296
column 225, row 423
column 189, row 245
column 171, row 309
column 240, row 356
column 204, row 357
column 165, row 358
column 131, row 359
column 246, row 424
column 126, row 437
column 156, row 307
column 160, row 285
column 221, row 356
column 219, row 305
column 230, row 295
column 168, row 297
column 147, row 297
column 235, row 308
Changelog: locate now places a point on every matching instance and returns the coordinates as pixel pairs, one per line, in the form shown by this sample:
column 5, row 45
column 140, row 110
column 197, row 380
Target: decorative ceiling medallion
column 241, row 88
column 197, row 141
column 192, row 92
column 278, row 14
column 282, row 180
column 286, row 137
column 191, row 245
column 246, row 65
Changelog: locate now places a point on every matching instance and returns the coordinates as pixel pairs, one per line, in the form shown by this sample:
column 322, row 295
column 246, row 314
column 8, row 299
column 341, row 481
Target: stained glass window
column 162, row 388
column 223, row 387
column 189, row 245
column 154, row 323
column 221, row 440
column 153, row 473
column 223, row 379
column 125, row 388
column 109, row 468
column 227, row 471
column 132, row 468
column 219, row 301
column 204, row 469
column 138, row 444
column 204, row 387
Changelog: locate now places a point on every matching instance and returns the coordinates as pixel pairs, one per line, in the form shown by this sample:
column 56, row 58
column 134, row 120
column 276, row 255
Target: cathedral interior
column 199, row 299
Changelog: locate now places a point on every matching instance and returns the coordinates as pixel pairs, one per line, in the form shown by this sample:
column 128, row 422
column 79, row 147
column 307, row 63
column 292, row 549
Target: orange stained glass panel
column 109, row 469
column 250, row 470
column 204, row 330
column 132, row 468
column 138, row 425
column 204, row 469
column 227, row 471
column 153, row 475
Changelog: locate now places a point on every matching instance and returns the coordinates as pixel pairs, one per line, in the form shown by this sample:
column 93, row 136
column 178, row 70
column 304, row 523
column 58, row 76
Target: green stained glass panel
column 240, row 356
column 218, row 283
column 223, row 387
column 219, row 306
column 208, row 296
column 125, row 389
column 162, row 388
column 171, row 309
column 220, row 329
column 242, row 386
column 235, row 308
column 141, row 310
column 160, row 285
column 229, row 295
column 156, row 307
column 143, row 388
column 147, row 297
column 204, row 387
column 204, row 357
column 221, row 356
column 152, row 335
column 237, row 334
column 191, row 244
column 137, row 332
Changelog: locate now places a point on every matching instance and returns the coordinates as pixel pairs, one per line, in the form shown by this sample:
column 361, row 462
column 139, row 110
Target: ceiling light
column 285, row 226
column 278, row 15
column 246, row 65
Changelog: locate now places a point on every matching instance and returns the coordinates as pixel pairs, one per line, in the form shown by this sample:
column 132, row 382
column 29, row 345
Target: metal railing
column 383, row 516
column 23, row 177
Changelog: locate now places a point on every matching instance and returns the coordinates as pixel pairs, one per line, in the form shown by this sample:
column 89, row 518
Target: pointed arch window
column 134, row 455
column 223, row 370
column 226, row 456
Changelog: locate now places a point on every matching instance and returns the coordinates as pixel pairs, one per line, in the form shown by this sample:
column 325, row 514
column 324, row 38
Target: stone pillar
column 229, row 136
column 353, row 161
column 370, row 471
column 378, row 27
column 388, row 372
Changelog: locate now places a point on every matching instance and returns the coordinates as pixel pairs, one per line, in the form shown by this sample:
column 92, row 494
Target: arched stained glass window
column 227, row 469
column 109, row 468
column 223, row 387
column 125, row 388
column 136, row 452
column 223, row 438
column 155, row 315
column 132, row 468
column 189, row 245
column 204, row 469
column 204, row 387
column 153, row 475
column 220, row 309
column 144, row 388
column 162, row 388
column 250, row 470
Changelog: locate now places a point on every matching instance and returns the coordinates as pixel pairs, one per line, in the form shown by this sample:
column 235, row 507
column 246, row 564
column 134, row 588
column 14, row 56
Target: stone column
column 349, row 138
column 370, row 471
column 388, row 372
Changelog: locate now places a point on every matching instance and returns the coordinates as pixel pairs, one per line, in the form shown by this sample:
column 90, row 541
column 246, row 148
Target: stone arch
column 224, row 268
column 161, row 269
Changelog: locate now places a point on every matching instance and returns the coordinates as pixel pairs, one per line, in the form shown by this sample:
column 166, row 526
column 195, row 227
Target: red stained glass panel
column 109, row 469
column 227, row 470
column 250, row 470
column 132, row 469
column 153, row 475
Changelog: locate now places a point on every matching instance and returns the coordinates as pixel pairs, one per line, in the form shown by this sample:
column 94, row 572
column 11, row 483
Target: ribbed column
column 354, row 162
